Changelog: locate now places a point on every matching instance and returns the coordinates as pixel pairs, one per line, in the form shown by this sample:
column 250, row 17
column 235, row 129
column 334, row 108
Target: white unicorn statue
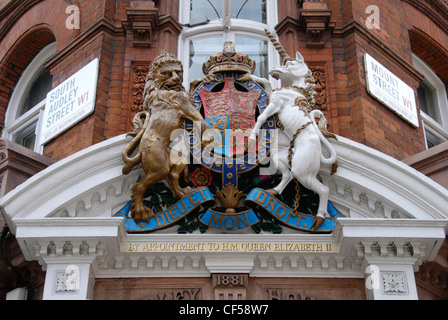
column 292, row 106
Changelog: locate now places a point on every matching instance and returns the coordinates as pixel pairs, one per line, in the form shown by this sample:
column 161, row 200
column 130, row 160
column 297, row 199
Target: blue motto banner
column 167, row 218
column 229, row 221
column 232, row 221
column 288, row 216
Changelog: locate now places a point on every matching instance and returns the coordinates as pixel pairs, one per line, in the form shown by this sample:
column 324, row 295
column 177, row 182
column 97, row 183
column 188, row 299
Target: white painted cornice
column 388, row 180
column 94, row 170
column 394, row 212
column 82, row 184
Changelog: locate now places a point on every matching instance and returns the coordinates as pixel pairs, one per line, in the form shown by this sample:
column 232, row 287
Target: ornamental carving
column 144, row 21
column 321, row 86
column 230, row 280
column 142, row 37
column 67, row 281
column 140, row 23
column 394, row 283
column 138, row 79
column 282, row 294
column 230, row 286
column 314, row 19
column 175, row 294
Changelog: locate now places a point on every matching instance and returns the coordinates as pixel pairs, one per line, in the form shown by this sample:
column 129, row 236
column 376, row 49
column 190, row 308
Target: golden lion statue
column 166, row 106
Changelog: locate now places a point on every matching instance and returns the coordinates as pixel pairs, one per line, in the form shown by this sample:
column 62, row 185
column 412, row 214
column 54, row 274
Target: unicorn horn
column 281, row 50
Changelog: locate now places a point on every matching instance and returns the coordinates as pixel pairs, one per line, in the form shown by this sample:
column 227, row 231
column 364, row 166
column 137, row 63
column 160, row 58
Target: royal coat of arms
column 228, row 182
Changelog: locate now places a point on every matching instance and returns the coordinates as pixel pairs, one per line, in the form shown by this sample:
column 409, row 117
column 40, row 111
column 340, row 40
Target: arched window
column 210, row 23
column 433, row 102
column 28, row 102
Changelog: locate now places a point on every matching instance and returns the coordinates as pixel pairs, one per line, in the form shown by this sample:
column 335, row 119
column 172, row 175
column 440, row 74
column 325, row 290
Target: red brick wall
column 359, row 116
column 96, row 39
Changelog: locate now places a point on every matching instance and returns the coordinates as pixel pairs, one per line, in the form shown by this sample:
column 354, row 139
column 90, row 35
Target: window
column 239, row 9
column 433, row 102
column 210, row 23
column 28, row 102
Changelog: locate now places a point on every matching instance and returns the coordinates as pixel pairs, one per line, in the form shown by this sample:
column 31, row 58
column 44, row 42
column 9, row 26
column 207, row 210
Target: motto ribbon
column 227, row 221
column 170, row 216
column 232, row 221
column 288, row 216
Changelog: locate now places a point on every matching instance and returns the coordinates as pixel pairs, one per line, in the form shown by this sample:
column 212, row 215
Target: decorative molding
column 436, row 10
column 143, row 19
column 394, row 283
column 17, row 164
column 98, row 29
column 77, row 224
column 67, row 281
column 433, row 163
column 385, row 187
column 153, row 289
column 230, row 286
column 372, row 38
column 15, row 10
column 433, row 277
column 174, row 294
column 288, row 32
column 285, row 294
column 314, row 18
column 388, row 249
column 141, row 22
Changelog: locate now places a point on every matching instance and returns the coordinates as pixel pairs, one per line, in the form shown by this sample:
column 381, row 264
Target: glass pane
column 432, row 139
column 257, row 50
column 427, row 98
column 27, row 137
column 37, row 92
column 249, row 9
column 200, row 50
column 423, row 104
column 210, row 8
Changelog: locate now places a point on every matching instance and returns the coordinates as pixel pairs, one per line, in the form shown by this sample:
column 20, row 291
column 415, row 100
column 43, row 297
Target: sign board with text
column 70, row 102
column 391, row 91
column 230, row 246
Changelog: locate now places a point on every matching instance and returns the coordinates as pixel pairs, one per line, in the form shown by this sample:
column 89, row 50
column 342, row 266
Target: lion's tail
column 129, row 162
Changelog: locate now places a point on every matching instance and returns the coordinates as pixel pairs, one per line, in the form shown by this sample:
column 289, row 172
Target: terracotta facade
column 332, row 36
column 230, row 287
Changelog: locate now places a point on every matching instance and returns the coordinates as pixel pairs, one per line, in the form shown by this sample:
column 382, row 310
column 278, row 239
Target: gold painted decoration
column 229, row 123
column 166, row 106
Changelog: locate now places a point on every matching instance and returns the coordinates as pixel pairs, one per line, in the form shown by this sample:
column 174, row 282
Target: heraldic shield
column 230, row 175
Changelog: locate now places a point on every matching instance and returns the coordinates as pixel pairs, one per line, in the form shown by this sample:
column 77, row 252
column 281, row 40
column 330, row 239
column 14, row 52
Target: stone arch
column 430, row 51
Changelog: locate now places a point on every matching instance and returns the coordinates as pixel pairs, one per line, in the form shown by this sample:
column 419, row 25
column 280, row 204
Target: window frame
column 13, row 125
column 229, row 31
column 439, row 129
